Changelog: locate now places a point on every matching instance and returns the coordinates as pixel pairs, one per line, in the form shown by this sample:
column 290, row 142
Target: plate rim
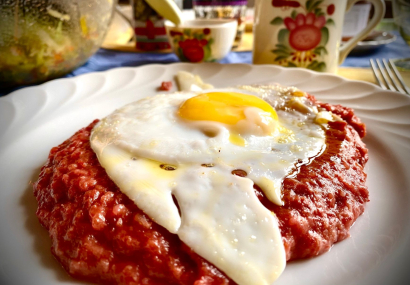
column 188, row 64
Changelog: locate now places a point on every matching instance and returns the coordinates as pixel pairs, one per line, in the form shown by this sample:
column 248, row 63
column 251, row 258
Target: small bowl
column 201, row 40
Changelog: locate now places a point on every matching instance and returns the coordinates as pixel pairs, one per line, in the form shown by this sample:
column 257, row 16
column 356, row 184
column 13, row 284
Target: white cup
column 305, row 33
column 201, row 40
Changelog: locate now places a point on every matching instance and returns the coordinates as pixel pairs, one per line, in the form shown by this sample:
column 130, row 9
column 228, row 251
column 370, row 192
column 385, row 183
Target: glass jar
column 45, row 39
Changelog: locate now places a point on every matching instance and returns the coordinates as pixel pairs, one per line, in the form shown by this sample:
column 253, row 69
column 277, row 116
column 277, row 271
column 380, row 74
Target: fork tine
column 376, row 74
column 392, row 77
column 385, row 76
column 397, row 73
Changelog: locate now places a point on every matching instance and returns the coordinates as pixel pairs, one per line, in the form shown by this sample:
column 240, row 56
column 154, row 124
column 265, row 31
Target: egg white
column 152, row 155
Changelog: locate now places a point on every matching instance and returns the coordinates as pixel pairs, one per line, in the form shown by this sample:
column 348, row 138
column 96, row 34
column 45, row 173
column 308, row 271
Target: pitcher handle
column 379, row 10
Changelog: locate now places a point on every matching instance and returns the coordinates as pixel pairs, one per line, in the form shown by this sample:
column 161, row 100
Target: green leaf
column 320, row 50
column 314, row 5
column 280, row 57
column 207, row 52
column 181, row 55
column 318, row 12
column 317, row 66
column 200, row 36
column 276, row 21
column 281, row 52
column 187, row 32
column 330, row 22
column 325, row 36
column 312, row 65
column 281, row 46
column 294, row 14
column 321, row 67
column 291, row 64
column 210, row 41
column 309, row 4
column 283, row 36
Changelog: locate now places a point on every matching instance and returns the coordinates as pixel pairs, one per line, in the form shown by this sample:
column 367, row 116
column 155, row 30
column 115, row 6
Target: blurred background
column 45, row 39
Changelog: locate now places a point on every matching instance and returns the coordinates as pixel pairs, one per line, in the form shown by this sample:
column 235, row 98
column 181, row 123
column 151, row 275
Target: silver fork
column 392, row 79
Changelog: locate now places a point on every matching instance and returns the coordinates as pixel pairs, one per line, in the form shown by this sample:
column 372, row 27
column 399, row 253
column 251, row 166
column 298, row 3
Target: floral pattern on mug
column 302, row 42
column 193, row 46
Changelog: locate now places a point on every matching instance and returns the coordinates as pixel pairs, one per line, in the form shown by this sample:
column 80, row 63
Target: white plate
column 34, row 119
column 374, row 41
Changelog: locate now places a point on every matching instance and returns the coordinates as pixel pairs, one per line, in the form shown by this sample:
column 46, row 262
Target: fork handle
column 379, row 9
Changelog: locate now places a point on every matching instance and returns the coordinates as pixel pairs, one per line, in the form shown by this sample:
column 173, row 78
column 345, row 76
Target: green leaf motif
column 294, row 14
column 321, row 67
column 312, row 65
column 291, row 64
column 207, row 52
column 281, row 46
column 283, row 36
column 330, row 22
column 181, row 55
column 320, row 50
column 309, row 4
column 317, row 66
column 276, row 21
column 316, row 5
column 281, row 52
column 325, row 36
column 210, row 41
column 187, row 32
column 313, row 5
column 281, row 57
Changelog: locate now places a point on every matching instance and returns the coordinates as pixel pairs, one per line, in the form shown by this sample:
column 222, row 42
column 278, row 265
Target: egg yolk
column 223, row 107
column 241, row 112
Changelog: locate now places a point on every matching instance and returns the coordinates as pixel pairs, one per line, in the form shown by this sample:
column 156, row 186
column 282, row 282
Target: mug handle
column 379, row 9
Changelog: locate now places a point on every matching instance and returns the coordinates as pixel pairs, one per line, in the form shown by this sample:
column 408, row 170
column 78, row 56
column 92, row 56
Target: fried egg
column 186, row 146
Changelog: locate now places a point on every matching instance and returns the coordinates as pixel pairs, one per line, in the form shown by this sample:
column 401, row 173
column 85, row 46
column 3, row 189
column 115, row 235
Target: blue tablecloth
column 107, row 59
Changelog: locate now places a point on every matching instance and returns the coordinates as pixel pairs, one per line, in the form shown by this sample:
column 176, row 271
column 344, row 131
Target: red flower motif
column 192, row 49
column 285, row 3
column 305, row 31
column 207, row 31
column 330, row 9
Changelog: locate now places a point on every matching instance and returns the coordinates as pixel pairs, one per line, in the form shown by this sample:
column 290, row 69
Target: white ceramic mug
column 305, row 33
column 201, row 40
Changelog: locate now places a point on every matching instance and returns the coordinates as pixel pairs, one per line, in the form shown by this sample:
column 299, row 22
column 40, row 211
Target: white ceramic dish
column 375, row 41
column 33, row 120
column 201, row 40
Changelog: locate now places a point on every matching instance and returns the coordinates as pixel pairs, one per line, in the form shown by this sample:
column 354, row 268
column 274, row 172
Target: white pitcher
column 305, row 33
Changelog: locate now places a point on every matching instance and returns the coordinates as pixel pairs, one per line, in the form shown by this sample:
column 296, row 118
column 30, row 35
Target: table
column 356, row 66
